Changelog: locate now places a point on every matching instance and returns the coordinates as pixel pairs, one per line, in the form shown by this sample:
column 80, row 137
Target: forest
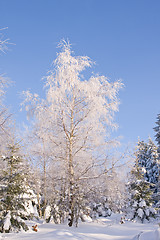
column 66, row 167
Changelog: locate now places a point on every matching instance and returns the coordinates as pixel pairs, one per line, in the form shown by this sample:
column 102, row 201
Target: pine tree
column 14, row 192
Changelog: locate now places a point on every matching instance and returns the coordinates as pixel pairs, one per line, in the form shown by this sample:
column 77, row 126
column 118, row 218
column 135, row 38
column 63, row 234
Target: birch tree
column 76, row 119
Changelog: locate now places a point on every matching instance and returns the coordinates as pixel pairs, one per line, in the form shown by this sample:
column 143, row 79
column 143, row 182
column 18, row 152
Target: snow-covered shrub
column 100, row 210
column 30, row 204
column 85, row 218
column 12, row 222
column 47, row 213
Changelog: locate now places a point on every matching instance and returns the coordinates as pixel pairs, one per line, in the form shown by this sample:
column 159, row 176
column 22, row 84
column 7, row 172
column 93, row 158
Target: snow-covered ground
column 101, row 229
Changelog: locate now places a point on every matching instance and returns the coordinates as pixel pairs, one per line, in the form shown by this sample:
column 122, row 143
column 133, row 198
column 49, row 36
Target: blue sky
column 121, row 36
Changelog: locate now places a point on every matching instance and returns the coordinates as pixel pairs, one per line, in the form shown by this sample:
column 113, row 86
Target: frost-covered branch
column 3, row 42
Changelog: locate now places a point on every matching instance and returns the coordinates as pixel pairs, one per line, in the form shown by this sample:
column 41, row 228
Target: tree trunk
column 71, row 176
column 39, row 206
column 44, row 180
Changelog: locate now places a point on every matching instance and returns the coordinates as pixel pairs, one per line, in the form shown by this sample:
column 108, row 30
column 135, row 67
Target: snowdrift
column 151, row 235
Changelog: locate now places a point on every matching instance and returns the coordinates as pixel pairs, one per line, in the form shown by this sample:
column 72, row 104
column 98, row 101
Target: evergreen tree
column 14, row 192
column 140, row 195
column 147, row 157
column 148, row 161
column 152, row 172
column 141, row 154
column 157, row 130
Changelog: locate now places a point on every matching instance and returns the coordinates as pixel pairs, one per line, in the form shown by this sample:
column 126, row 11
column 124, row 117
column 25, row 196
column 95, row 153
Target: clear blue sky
column 122, row 36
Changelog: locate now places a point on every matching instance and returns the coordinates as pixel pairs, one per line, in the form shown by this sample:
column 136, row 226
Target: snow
column 48, row 212
column 152, row 210
column 7, row 222
column 150, row 235
column 29, row 207
column 140, row 212
column 101, row 229
column 86, row 218
column 147, row 212
column 142, row 203
column 135, row 204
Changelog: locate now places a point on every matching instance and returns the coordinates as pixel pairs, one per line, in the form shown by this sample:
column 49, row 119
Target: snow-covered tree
column 152, row 168
column 76, row 118
column 141, row 182
column 141, row 196
column 157, row 130
column 16, row 197
column 147, row 157
column 148, row 161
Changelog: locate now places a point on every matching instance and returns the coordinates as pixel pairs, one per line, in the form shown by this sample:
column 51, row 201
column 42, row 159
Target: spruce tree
column 141, row 154
column 157, row 130
column 157, row 136
column 147, row 157
column 141, row 195
column 152, row 163
column 143, row 179
column 13, row 186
